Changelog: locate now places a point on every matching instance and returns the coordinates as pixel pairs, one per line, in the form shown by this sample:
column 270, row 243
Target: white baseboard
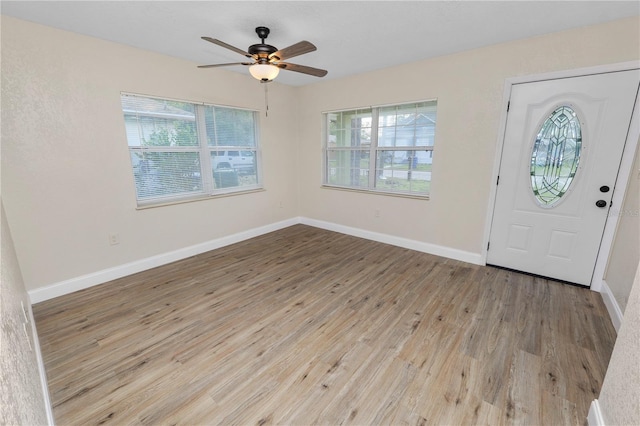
column 434, row 249
column 43, row 373
column 85, row 281
column 106, row 275
column 595, row 414
column 615, row 313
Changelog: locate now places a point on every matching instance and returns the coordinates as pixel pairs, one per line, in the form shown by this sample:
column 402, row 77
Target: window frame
column 373, row 151
column 204, row 151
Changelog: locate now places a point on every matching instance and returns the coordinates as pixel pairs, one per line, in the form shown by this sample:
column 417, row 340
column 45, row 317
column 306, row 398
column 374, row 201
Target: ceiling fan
column 268, row 60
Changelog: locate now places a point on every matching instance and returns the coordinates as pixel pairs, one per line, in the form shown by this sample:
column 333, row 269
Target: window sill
column 198, row 198
column 377, row 192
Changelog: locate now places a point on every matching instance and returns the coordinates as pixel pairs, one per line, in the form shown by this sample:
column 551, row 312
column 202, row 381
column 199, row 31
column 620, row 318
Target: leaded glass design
column 555, row 156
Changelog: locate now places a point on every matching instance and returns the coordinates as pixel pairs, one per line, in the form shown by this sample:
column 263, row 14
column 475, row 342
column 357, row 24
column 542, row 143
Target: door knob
column 601, row 203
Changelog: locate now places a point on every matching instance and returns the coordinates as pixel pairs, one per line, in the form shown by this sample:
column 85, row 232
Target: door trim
column 624, row 173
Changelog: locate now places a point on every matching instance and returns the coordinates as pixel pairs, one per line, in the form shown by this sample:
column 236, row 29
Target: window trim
column 373, row 149
column 204, row 150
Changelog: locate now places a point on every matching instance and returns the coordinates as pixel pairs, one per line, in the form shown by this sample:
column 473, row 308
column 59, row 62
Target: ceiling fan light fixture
column 268, row 59
column 264, row 72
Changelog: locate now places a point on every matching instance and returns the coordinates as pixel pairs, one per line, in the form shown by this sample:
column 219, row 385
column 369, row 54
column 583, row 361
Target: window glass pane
column 556, row 156
column 401, row 115
column 349, row 128
column 405, row 136
column 350, row 119
column 348, row 168
column 387, row 116
column 230, row 127
column 144, row 129
column 407, row 125
column 401, row 148
column 427, row 109
column 167, row 143
column 172, row 133
column 156, row 122
column 404, row 171
column 387, row 136
column 234, row 170
column 425, row 135
column 425, row 123
column 160, row 174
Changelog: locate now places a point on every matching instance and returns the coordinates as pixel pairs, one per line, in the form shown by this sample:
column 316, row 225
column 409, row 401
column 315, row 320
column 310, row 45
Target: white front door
column 562, row 148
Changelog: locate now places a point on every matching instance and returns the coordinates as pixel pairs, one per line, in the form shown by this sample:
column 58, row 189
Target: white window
column 183, row 150
column 384, row 149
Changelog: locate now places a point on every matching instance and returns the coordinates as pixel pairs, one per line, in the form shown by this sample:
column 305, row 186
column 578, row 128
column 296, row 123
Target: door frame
column 624, row 172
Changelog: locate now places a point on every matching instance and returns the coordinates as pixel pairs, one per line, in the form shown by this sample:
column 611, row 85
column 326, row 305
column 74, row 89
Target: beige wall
column 21, row 397
column 66, row 176
column 469, row 88
column 620, row 391
column 68, row 184
column 625, row 253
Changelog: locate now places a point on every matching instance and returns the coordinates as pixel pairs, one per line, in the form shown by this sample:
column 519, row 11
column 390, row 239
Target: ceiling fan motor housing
column 262, row 51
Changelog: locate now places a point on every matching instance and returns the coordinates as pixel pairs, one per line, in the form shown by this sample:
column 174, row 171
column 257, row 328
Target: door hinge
column 488, row 244
column 498, row 180
column 508, row 105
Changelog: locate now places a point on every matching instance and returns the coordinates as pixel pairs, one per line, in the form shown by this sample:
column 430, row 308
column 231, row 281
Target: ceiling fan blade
column 227, row 46
column 294, row 50
column 225, row 65
column 302, row 68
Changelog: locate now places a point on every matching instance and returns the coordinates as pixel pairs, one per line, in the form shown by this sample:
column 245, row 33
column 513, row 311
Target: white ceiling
column 352, row 36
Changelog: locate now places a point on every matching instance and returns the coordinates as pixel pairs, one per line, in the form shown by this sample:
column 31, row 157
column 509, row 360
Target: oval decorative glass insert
column 555, row 156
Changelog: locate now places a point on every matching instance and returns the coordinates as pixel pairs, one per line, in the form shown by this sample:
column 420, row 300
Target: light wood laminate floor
column 306, row 326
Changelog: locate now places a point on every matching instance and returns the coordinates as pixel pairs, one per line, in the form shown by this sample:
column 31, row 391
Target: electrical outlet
column 114, row 239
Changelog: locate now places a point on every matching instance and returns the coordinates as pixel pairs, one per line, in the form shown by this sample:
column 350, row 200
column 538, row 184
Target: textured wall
column 21, row 399
column 625, row 253
column 66, row 172
column 620, row 394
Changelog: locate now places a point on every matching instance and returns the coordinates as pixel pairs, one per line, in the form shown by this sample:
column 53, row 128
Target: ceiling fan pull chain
column 266, row 99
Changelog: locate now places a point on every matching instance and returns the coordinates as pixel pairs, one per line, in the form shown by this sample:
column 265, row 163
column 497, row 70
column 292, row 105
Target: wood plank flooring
column 306, row 326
